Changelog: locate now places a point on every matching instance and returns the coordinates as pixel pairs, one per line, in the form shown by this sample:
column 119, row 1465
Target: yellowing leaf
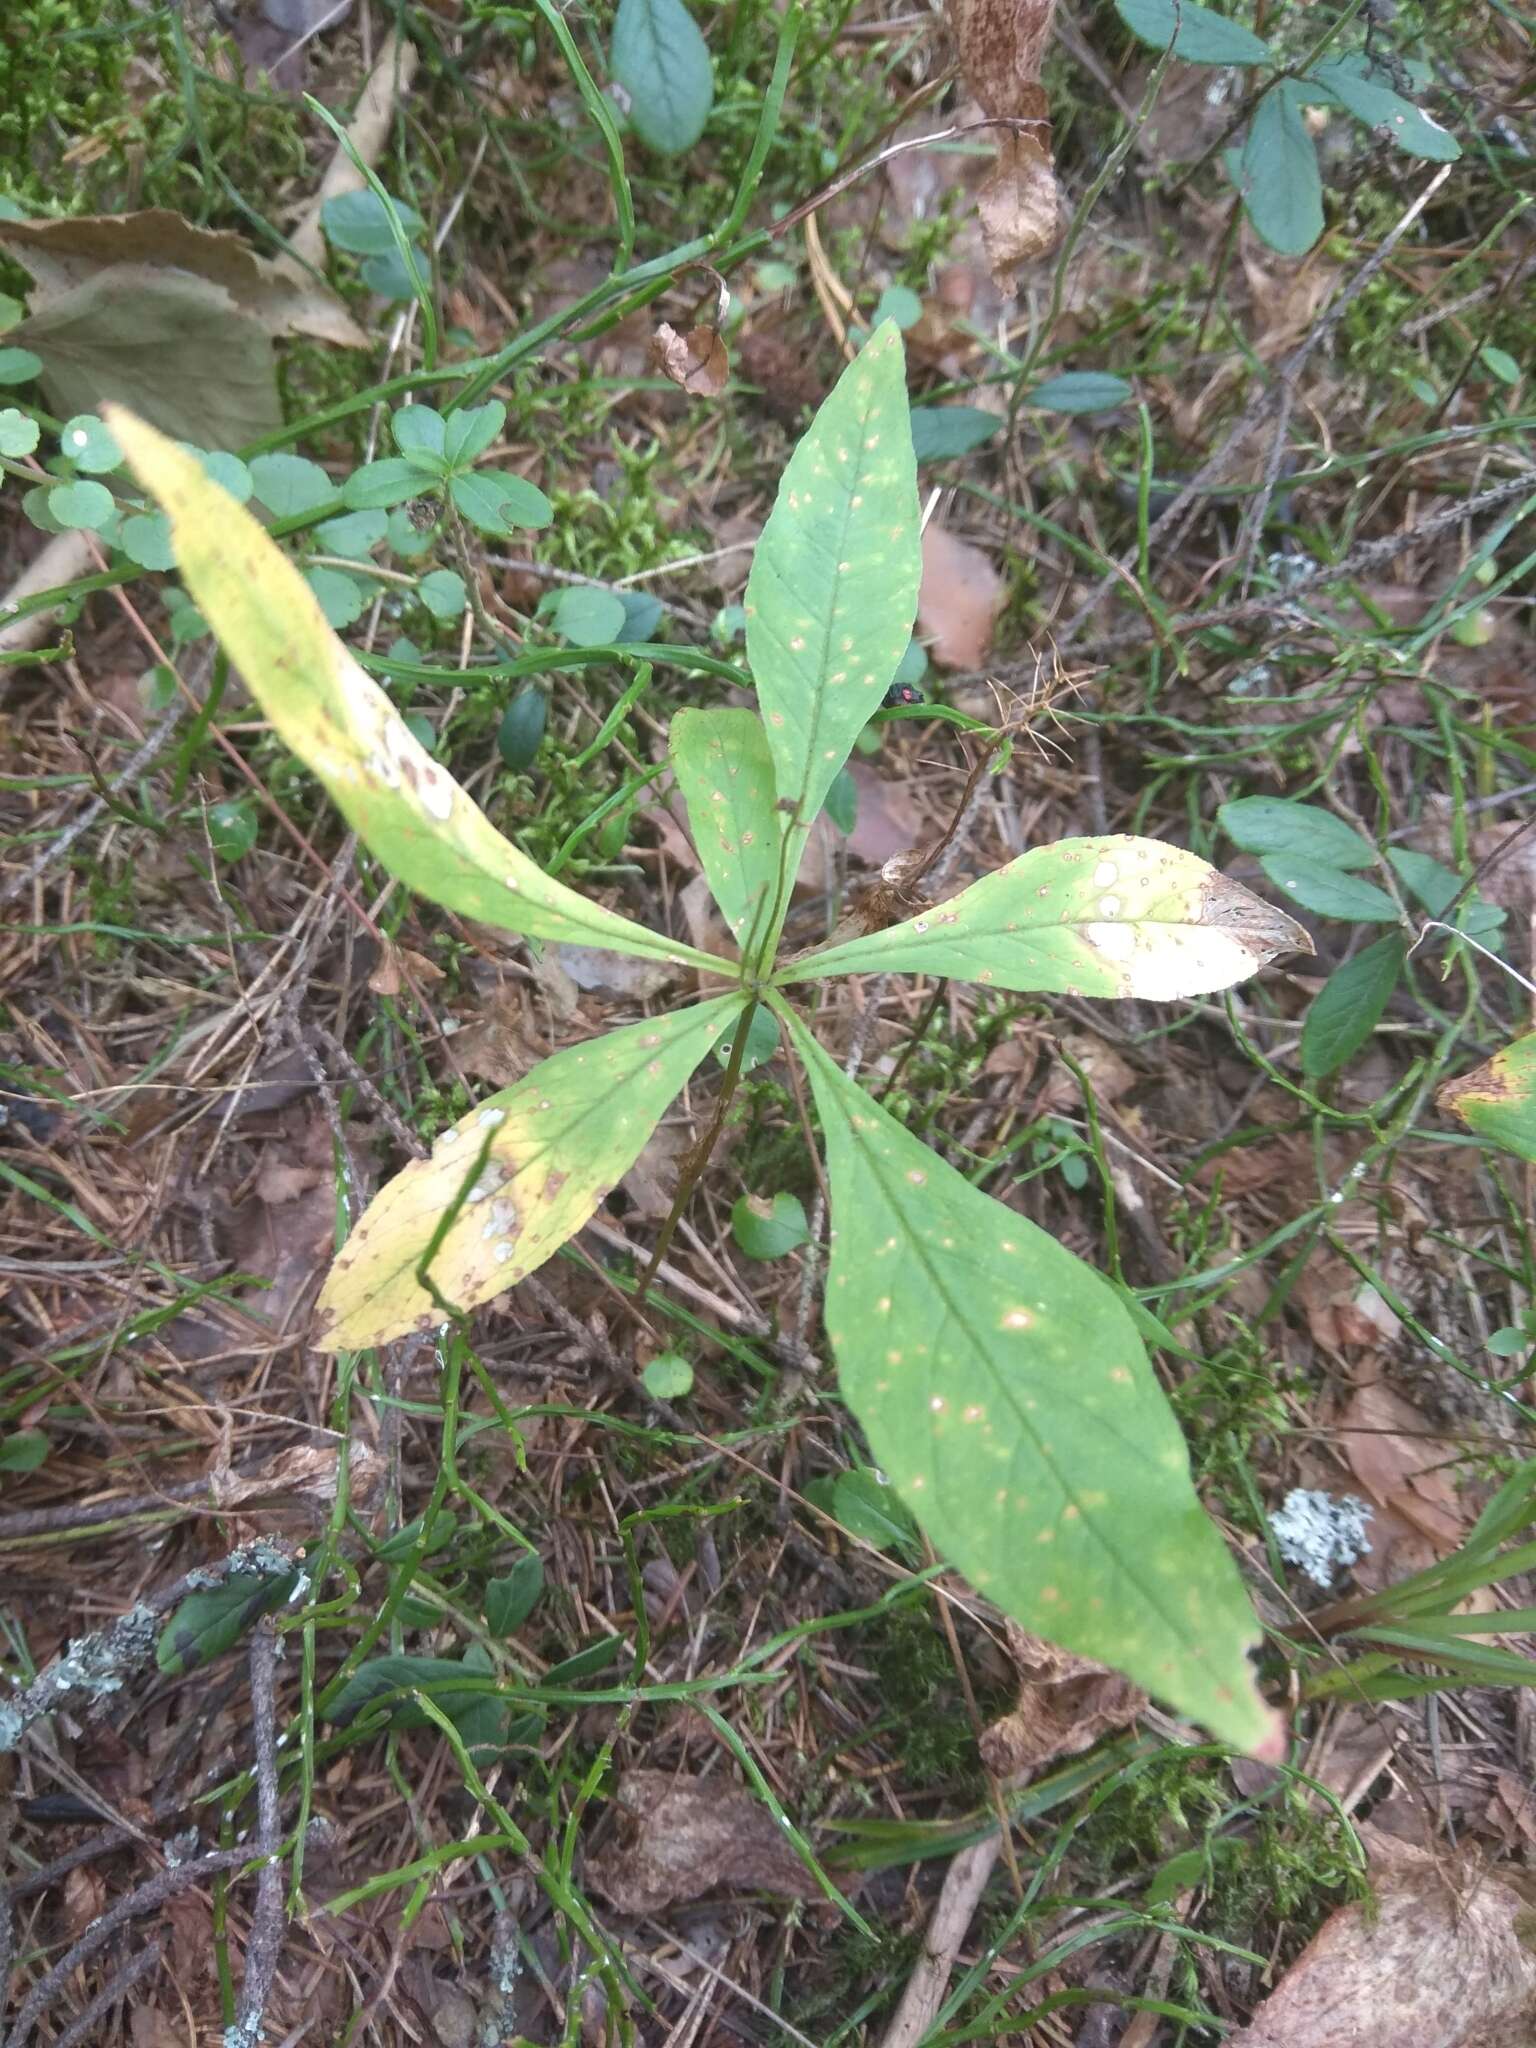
column 723, row 768
column 404, row 804
column 1006, row 1395
column 1114, row 916
column 554, row 1144
column 1498, row 1099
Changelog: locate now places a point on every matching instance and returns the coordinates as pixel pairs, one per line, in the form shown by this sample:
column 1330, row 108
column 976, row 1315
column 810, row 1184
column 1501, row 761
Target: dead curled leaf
column 1002, row 44
column 1065, row 1704
column 959, row 599
column 695, row 361
column 1441, row 1958
column 679, row 1838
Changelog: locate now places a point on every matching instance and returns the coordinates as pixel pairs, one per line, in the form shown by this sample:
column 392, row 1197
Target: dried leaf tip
column 1259, row 927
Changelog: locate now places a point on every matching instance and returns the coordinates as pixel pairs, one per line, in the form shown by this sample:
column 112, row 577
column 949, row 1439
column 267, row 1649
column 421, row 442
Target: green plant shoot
column 1000, row 1380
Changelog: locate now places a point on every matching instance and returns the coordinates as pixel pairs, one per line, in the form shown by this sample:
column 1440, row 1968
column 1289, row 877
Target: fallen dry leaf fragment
column 1002, row 44
column 695, row 361
column 1441, row 1959
column 282, row 299
column 1406, row 1469
column 1065, row 1704
column 679, row 1838
column 959, row 599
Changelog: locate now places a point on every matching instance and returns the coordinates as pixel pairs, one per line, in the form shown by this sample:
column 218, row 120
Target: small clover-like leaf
column 1276, row 824
column 553, row 1145
column 1005, row 1392
column 724, row 770
column 208, row 1623
column 290, row 485
column 1115, row 916
column 1198, row 34
column 1416, row 133
column 1498, row 1099
column 1349, row 1006
column 662, row 62
column 1278, row 175
column 404, row 804
column 833, row 589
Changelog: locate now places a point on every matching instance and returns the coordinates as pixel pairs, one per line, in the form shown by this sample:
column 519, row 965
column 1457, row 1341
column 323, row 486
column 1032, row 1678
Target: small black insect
column 902, row 693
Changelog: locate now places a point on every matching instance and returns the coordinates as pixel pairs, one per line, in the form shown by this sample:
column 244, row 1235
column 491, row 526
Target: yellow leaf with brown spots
column 1114, row 916
column 532, row 1162
column 404, row 805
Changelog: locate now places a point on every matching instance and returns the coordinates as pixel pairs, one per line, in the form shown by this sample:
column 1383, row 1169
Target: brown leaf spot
column 1065, row 1704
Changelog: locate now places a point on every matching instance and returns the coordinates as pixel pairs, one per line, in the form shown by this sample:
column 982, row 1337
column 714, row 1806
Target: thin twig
column 264, row 1944
column 57, row 847
column 964, row 1883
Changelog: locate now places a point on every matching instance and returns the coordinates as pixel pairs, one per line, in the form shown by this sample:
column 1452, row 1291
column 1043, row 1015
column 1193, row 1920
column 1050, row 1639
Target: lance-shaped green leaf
column 833, row 589
column 1498, row 1099
column 725, row 772
column 554, row 1145
column 1114, row 916
column 1006, row 1395
column 405, row 806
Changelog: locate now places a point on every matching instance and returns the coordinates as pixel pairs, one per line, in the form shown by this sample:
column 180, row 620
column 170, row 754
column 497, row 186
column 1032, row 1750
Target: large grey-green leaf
column 1006, row 1394
column 177, row 349
column 725, row 773
column 833, row 589
column 662, row 62
column 1116, row 916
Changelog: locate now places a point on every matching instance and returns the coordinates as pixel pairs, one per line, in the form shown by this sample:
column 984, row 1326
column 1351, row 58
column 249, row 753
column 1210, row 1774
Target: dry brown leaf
column 399, row 963
column 679, row 1838
column 695, row 361
column 1020, row 207
column 1401, row 1464
column 1065, row 1704
column 500, row 1046
column 614, row 974
column 61, row 255
column 885, row 824
column 959, row 599
column 1002, row 44
column 1441, row 1959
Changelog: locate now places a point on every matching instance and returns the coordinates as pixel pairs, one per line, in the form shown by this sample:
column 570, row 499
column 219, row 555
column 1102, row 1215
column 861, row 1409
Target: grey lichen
column 1320, row 1533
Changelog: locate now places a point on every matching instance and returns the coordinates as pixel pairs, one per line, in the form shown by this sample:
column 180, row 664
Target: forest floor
column 743, row 1793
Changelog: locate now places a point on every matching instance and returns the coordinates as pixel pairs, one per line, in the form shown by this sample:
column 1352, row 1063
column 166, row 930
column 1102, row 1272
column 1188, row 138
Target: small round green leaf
column 642, row 614
column 358, row 223
column 388, row 275
column 522, row 728
column 662, row 62
column 19, row 432
column 342, row 598
column 208, row 1623
column 232, row 829
column 146, row 539
column 762, row 1041
column 842, row 804
column 443, row 593
column 82, row 504
column 669, row 1376
column 468, row 432
column 1278, row 177
column 385, row 483
column 420, row 432
column 18, row 365
column 227, row 471
column 87, row 442
column 1508, row 1342
column 587, row 616
column 900, row 303
column 497, row 503
column 353, row 534
column 769, row 1230
column 290, row 485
